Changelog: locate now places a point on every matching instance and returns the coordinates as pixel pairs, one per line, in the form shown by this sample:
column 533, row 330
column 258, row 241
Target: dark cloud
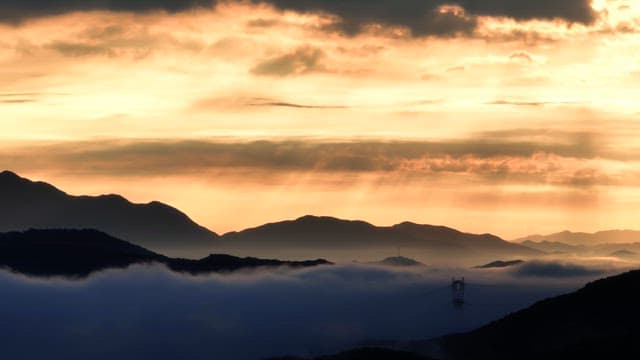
column 422, row 17
column 301, row 61
column 579, row 11
column 553, row 269
column 150, row 313
column 518, row 156
column 18, row 10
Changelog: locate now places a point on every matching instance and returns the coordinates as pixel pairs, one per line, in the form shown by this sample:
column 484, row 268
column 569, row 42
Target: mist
column 150, row 312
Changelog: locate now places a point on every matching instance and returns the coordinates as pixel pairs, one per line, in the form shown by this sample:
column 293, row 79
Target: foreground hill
column 25, row 204
column 78, row 253
column 365, row 354
column 601, row 320
column 319, row 233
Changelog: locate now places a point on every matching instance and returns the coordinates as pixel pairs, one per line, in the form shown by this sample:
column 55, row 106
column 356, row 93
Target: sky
column 504, row 116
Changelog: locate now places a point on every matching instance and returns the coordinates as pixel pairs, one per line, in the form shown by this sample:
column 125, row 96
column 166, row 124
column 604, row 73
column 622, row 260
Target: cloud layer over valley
column 150, row 312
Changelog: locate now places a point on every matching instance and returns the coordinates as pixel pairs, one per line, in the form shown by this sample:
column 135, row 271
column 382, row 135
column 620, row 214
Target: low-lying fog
column 150, row 312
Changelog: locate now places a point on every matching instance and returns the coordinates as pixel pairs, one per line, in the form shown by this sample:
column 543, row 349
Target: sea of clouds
column 150, row 312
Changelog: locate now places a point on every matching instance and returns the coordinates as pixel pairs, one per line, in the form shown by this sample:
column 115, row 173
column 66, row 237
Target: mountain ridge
column 157, row 226
column 35, row 204
column 326, row 231
column 80, row 253
column 585, row 239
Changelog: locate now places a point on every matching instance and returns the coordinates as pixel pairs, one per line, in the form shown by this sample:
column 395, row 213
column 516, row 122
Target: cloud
column 303, row 60
column 530, row 103
column 18, row 10
column 521, row 56
column 579, row 11
column 568, row 159
column 148, row 312
column 240, row 101
column 421, row 17
column 551, row 269
column 305, row 155
column 77, row 49
column 438, row 17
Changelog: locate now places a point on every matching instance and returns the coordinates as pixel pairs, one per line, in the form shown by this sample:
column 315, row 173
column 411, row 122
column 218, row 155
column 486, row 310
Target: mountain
column 586, row 239
column 554, row 247
column 26, row 204
column 320, row 233
column 624, row 254
column 78, row 253
column 499, row 264
column 400, row 261
column 598, row 321
column 597, row 249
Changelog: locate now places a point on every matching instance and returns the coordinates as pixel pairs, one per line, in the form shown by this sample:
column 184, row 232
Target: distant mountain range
column 25, row 204
column 78, row 253
column 620, row 250
column 586, row 239
column 623, row 244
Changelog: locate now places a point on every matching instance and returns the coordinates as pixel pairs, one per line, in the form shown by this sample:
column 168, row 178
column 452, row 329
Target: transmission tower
column 457, row 291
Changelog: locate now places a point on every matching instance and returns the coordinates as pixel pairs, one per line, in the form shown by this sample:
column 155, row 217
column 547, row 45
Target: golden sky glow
column 243, row 113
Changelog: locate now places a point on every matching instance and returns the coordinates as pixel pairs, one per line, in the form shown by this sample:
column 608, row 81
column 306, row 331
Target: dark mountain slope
column 25, row 204
column 78, row 253
column 599, row 321
column 68, row 252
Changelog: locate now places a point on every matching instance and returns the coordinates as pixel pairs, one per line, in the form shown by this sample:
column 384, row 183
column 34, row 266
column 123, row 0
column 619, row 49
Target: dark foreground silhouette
column 78, row 253
column 366, row 354
column 599, row 321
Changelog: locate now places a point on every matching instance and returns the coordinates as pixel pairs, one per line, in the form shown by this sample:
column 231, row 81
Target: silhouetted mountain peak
column 27, row 204
column 313, row 220
column 6, row 174
column 499, row 264
column 399, row 261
